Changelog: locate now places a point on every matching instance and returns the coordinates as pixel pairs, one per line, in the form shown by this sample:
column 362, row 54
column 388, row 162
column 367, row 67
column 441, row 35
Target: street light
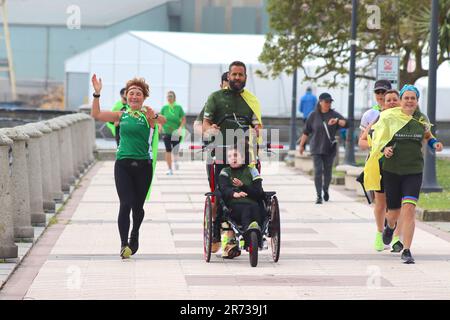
column 350, row 146
column 429, row 183
column 293, row 131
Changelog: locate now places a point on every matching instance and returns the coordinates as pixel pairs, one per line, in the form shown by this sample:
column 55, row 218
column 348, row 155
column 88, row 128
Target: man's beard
column 237, row 86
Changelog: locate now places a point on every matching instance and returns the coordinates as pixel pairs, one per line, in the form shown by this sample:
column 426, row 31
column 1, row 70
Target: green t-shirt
column 226, row 102
column 407, row 142
column 244, row 173
column 135, row 137
column 174, row 115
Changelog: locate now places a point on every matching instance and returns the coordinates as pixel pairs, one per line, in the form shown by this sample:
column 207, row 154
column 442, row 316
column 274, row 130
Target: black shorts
column 170, row 141
column 401, row 189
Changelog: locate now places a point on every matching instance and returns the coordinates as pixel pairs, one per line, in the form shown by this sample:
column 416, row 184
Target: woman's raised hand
column 97, row 83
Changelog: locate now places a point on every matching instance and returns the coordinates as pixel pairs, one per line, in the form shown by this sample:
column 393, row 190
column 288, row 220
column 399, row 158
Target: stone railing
column 304, row 162
column 39, row 162
column 351, row 173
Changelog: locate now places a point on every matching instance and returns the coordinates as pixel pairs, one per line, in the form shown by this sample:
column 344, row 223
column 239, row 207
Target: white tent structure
column 190, row 64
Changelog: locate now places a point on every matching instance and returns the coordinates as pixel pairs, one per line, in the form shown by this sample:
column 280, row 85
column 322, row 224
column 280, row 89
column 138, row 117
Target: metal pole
column 350, row 146
column 293, row 135
column 12, row 75
column 429, row 183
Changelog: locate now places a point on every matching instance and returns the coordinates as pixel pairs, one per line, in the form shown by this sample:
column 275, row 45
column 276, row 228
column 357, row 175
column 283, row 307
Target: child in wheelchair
column 241, row 190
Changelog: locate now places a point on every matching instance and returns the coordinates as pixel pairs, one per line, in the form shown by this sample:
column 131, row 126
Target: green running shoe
column 379, row 245
column 224, row 241
column 396, row 245
column 253, row 225
column 125, row 252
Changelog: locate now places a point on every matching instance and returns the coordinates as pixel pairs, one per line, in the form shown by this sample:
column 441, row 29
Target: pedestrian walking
column 307, row 103
column 172, row 130
column 321, row 128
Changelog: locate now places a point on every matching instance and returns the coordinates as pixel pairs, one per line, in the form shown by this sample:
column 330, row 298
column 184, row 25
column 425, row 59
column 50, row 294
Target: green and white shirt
column 135, row 137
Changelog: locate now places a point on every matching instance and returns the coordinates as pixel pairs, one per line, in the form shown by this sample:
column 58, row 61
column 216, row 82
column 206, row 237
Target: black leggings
column 246, row 213
column 133, row 178
column 323, row 167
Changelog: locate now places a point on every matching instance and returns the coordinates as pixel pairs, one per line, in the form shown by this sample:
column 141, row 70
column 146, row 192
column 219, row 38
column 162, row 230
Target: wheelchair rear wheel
column 253, row 248
column 207, row 229
column 275, row 231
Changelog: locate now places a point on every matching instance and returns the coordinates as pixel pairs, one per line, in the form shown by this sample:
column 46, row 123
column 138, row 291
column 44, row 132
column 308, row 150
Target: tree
column 319, row 30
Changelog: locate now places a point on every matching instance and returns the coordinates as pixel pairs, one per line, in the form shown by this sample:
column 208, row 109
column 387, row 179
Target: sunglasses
column 380, row 91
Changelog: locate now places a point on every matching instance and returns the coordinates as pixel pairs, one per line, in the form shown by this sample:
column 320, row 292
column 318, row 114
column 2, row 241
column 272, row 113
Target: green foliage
column 438, row 201
column 305, row 31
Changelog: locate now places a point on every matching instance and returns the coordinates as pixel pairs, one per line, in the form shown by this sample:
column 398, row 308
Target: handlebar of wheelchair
column 248, row 121
column 275, row 146
column 269, row 146
column 206, row 146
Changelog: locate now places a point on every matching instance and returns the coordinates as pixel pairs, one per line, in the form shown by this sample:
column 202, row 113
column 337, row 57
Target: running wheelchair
column 253, row 239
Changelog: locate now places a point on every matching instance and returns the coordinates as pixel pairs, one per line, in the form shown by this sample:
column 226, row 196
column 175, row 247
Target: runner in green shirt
column 172, row 130
column 403, row 167
column 135, row 159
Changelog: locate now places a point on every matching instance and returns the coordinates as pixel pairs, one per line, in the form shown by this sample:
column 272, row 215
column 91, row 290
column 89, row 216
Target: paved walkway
column 326, row 250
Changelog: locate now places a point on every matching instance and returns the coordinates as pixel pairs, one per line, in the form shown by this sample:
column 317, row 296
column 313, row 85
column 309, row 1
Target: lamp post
column 293, row 131
column 350, row 146
column 429, row 183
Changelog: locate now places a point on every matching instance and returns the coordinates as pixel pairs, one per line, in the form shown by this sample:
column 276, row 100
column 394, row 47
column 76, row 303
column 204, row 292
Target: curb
column 432, row 215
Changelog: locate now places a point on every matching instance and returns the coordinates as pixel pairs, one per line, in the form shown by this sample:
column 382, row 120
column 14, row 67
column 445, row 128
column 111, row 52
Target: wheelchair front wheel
column 253, row 248
column 207, row 229
column 275, row 229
